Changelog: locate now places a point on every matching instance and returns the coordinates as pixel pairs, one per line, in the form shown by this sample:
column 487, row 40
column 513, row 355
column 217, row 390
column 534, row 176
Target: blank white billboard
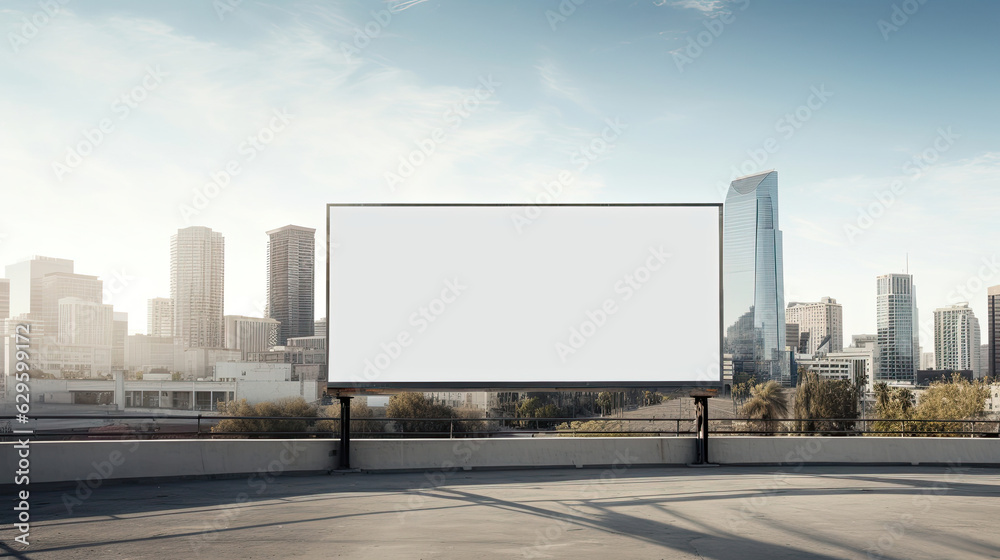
column 557, row 296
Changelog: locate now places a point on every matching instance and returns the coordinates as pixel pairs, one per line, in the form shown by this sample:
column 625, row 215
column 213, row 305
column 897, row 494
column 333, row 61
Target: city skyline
column 926, row 327
column 870, row 151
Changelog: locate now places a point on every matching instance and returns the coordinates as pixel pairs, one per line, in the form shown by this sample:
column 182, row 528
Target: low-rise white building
column 200, row 362
column 993, row 400
column 144, row 353
column 254, row 382
column 250, row 334
column 853, row 364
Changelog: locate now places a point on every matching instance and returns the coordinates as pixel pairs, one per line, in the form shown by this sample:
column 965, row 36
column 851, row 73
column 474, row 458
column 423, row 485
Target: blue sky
column 914, row 104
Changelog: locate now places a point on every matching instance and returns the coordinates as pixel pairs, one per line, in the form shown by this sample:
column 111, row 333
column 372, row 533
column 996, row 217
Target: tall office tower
column 976, row 352
column 119, row 333
column 320, row 329
column 197, row 267
column 984, row 359
column 250, row 334
column 85, row 323
column 898, row 329
column 956, row 339
column 824, row 321
column 291, row 265
column 160, row 317
column 25, row 282
column 57, row 286
column 4, row 299
column 993, row 336
column 754, row 308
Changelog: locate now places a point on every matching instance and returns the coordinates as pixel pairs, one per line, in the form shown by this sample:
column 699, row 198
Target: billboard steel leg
column 344, row 453
column 701, row 431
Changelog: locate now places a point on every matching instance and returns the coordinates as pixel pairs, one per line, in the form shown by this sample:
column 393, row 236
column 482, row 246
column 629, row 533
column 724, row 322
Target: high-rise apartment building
column 250, row 334
column 197, row 257
column 291, row 267
column 956, row 339
column 160, row 317
column 976, row 350
column 25, row 282
column 60, row 285
column 84, row 323
column 823, row 320
column 119, row 333
column 320, row 329
column 898, row 329
column 993, row 336
column 754, row 306
column 4, row 299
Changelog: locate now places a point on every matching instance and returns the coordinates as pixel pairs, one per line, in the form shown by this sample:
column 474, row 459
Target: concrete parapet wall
column 854, row 450
column 424, row 454
column 68, row 461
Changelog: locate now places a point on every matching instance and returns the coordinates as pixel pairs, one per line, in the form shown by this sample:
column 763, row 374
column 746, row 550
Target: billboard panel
column 556, row 296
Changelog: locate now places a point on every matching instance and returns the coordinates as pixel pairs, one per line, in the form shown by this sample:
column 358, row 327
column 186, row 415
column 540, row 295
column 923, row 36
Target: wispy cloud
column 710, row 8
column 400, row 5
column 559, row 85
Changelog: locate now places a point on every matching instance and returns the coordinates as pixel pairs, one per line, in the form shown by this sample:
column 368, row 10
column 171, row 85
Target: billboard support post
column 701, row 425
column 344, row 453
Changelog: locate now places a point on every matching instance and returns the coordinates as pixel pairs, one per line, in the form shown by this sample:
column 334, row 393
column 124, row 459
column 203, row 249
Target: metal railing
column 153, row 426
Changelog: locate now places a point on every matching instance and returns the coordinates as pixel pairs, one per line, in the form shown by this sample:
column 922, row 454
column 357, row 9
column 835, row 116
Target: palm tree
column 882, row 397
column 767, row 403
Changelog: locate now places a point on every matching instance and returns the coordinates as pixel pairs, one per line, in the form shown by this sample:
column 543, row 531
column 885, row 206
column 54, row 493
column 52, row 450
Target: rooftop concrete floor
column 746, row 513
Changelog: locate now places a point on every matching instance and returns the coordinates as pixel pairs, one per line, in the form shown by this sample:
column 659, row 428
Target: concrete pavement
column 725, row 512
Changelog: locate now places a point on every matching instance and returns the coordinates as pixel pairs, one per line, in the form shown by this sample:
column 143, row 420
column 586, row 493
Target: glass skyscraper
column 993, row 330
column 753, row 279
column 898, row 329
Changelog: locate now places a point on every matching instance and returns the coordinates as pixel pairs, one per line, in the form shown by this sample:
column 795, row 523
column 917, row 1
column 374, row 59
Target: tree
column 892, row 405
column 411, row 408
column 650, row 398
column 604, row 402
column 957, row 399
column 741, row 390
column 767, row 405
column 288, row 407
column 818, row 399
column 361, row 420
column 540, row 407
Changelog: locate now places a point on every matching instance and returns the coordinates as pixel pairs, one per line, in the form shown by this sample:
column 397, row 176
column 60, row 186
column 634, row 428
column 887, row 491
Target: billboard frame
column 385, row 388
